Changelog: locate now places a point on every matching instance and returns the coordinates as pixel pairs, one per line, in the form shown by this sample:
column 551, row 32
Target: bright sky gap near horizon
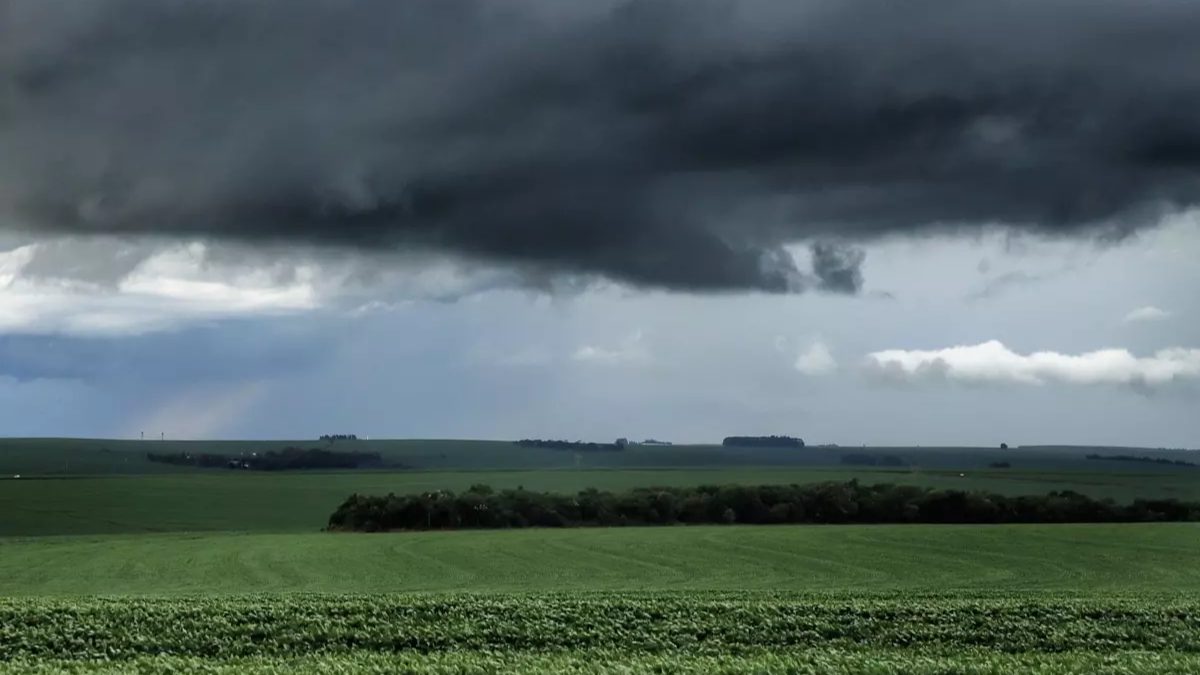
column 636, row 218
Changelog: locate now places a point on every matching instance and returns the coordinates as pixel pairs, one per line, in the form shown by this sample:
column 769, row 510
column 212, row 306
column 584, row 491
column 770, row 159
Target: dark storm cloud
column 837, row 268
column 661, row 142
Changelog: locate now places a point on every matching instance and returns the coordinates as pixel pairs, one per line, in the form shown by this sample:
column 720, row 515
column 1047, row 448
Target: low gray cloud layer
column 606, row 362
column 658, row 142
column 231, row 351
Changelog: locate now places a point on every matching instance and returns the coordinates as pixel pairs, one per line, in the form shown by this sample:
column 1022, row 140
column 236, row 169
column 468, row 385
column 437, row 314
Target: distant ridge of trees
column 288, row 458
column 339, row 437
column 1137, row 458
column 581, row 446
column 482, row 508
column 762, row 442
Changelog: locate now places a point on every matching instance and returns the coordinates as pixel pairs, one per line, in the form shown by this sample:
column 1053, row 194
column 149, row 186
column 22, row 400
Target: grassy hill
column 68, row 456
column 92, row 486
column 112, row 563
column 242, row 501
column 1079, row 559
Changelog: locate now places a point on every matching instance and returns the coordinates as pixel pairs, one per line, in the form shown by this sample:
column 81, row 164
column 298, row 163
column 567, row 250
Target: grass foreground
column 595, row 662
column 654, row 632
column 935, row 599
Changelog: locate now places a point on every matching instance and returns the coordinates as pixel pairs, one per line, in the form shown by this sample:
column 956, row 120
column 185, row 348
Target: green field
column 1091, row 559
column 858, row 661
column 654, row 632
column 301, row 502
column 110, row 563
column 74, row 457
column 740, row 599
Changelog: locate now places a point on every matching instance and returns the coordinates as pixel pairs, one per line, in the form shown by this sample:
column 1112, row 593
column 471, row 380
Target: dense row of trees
column 860, row 459
column 762, row 442
column 339, row 437
column 1136, row 458
column 580, row 446
column 276, row 460
column 481, row 507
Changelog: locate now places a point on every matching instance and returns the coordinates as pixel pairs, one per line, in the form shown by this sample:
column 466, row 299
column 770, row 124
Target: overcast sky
column 679, row 220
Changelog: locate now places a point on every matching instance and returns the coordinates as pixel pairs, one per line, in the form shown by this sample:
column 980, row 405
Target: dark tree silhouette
column 851, row 502
column 289, row 458
column 762, row 442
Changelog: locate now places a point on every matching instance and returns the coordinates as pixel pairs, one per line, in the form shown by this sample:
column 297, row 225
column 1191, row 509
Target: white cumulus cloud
column 992, row 362
column 173, row 286
column 1148, row 313
column 111, row 287
column 816, row 360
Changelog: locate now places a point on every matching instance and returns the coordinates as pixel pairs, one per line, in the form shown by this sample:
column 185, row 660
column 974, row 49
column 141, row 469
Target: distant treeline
column 339, row 437
column 580, row 446
column 762, row 442
column 274, row 460
column 481, row 507
column 1148, row 460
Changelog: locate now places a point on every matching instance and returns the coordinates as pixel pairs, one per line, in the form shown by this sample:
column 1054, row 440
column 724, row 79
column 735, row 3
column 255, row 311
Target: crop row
column 695, row 624
column 798, row 662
